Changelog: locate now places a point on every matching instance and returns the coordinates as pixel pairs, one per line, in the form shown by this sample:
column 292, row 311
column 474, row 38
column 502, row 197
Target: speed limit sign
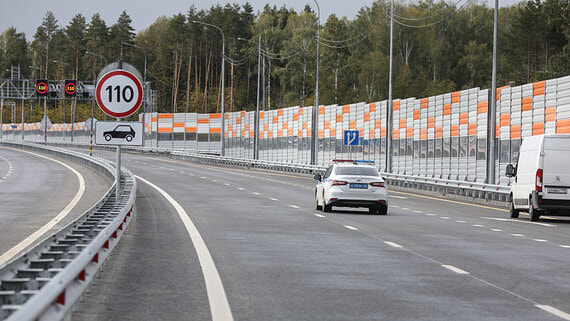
column 119, row 93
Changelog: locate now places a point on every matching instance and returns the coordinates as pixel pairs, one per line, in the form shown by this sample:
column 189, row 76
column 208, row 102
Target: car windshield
column 357, row 170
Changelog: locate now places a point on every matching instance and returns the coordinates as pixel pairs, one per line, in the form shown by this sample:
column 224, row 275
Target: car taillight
column 377, row 184
column 538, row 186
column 337, row 183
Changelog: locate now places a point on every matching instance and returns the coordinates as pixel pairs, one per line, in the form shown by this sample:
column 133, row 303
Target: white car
column 348, row 183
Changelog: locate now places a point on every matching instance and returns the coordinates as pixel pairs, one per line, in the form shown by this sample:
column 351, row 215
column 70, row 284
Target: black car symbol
column 121, row 131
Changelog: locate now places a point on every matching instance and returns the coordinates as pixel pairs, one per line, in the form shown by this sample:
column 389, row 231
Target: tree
column 13, row 52
column 121, row 31
column 96, row 39
column 43, row 42
column 75, row 33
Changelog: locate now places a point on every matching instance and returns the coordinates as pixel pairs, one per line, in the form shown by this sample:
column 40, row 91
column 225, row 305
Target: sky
column 27, row 15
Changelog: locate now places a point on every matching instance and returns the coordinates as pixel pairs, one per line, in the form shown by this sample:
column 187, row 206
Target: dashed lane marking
column 455, row 269
column 556, row 312
column 351, row 227
column 44, row 229
column 392, row 244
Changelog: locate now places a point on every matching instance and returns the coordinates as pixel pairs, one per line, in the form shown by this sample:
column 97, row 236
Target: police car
column 351, row 183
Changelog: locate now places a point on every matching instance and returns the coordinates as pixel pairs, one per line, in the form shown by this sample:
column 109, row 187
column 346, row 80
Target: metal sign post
column 119, row 94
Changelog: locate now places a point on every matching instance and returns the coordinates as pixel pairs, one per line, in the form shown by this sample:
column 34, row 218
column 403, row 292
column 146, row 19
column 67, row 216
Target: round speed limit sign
column 119, row 93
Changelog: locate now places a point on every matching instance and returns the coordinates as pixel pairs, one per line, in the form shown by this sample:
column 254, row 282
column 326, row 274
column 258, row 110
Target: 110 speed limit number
column 119, row 93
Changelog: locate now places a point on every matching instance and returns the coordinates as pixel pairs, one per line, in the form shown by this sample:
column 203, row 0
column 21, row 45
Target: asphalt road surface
column 280, row 259
column 35, row 188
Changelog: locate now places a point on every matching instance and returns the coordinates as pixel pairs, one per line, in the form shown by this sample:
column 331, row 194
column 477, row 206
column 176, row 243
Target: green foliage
column 438, row 48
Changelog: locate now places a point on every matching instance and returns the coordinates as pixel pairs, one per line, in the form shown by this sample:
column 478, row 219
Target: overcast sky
column 27, row 15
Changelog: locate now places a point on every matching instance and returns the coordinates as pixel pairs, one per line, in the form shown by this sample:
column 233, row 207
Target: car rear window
column 357, row 170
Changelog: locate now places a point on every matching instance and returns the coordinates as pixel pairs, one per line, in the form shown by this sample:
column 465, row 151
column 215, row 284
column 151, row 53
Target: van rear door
column 556, row 169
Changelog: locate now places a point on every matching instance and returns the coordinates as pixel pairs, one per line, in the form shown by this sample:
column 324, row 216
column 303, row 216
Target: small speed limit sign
column 119, row 93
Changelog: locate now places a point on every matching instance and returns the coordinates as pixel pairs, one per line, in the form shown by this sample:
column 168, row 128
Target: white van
column 541, row 177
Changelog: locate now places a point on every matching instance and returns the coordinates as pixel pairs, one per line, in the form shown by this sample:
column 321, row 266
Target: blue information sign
column 351, row 137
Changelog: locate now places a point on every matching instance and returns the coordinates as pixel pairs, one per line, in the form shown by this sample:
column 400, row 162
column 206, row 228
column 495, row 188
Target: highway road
column 41, row 194
column 277, row 258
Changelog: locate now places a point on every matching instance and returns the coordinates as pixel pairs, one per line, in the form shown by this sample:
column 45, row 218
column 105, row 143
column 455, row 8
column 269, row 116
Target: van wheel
column 514, row 212
column 533, row 213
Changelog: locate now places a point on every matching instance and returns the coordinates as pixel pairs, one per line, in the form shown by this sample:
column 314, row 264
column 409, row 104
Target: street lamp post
column 256, row 124
column 93, row 102
column 389, row 124
column 45, row 109
column 74, row 105
column 144, row 81
column 314, row 131
column 223, row 89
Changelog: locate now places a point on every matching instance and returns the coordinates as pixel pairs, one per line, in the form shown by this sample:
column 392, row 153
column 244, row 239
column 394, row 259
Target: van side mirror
column 511, row 171
column 318, row 177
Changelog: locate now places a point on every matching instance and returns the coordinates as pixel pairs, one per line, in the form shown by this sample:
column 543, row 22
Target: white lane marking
column 517, row 234
column 351, row 227
column 8, row 255
column 541, row 240
column 417, row 211
column 496, row 230
column 477, row 225
column 294, row 206
column 565, row 246
column 319, row 215
column 400, row 197
column 445, row 218
column 202, row 177
column 394, row 206
column 215, row 181
column 241, row 188
column 219, row 306
column 273, row 199
column 226, row 184
column 552, row 310
column 517, row 221
column 182, row 173
column 405, row 208
column 455, row 269
column 191, row 174
column 392, row 244
column 255, row 193
column 431, row 215
column 460, row 221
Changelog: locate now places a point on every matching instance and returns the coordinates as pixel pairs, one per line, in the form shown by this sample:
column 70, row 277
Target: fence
column 443, row 136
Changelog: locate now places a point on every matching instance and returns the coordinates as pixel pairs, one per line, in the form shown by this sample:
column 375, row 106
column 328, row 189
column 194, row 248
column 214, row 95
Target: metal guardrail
column 442, row 186
column 46, row 281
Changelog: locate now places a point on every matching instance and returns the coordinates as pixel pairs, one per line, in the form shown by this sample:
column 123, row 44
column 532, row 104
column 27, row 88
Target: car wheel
column 513, row 211
column 326, row 208
column 373, row 210
column 108, row 137
column 129, row 138
column 318, row 207
column 533, row 213
column 383, row 210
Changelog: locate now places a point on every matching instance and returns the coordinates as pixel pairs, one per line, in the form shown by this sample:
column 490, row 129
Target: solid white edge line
column 455, row 269
column 219, row 305
column 556, row 312
column 8, row 255
column 392, row 244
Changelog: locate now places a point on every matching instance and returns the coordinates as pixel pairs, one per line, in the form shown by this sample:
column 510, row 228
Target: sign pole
column 118, row 176
column 45, row 120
